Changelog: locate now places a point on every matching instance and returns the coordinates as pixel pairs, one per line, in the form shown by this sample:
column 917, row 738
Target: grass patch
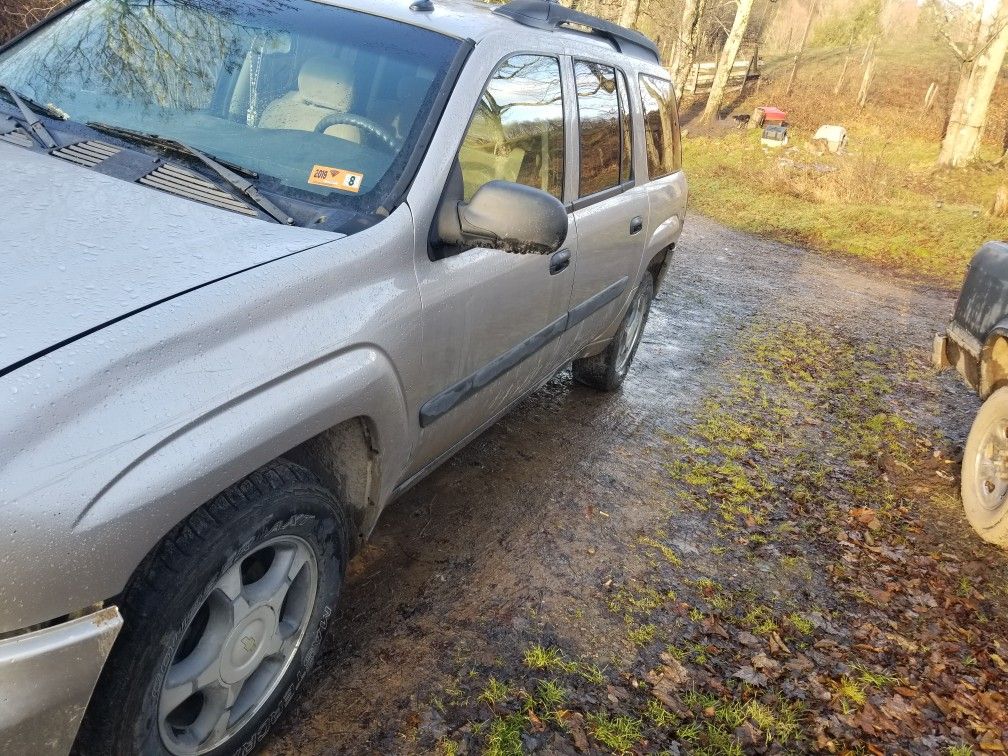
column 504, row 736
column 884, row 202
column 494, row 692
column 618, row 734
column 541, row 657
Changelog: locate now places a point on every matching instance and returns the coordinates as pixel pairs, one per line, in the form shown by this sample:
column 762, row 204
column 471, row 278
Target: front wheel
column 608, row 370
column 985, row 470
column 223, row 621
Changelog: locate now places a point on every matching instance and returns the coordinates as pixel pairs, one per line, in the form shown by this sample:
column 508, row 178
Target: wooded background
column 930, row 69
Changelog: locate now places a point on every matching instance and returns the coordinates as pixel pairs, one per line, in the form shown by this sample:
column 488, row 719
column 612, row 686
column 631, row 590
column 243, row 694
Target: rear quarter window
column 661, row 126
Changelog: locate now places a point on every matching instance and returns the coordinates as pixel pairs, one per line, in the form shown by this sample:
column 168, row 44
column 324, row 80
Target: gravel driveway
column 592, row 528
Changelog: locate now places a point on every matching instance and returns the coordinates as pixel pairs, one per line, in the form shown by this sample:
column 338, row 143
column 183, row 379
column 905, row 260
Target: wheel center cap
column 246, row 645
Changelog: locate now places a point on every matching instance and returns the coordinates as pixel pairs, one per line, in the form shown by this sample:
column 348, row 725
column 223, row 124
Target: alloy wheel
column 238, row 646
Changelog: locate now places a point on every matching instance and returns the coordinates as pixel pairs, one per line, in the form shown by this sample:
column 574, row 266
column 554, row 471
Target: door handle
column 636, row 225
column 559, row 261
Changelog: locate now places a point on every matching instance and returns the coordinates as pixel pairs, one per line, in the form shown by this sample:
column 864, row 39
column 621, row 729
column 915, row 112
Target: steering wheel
column 351, row 119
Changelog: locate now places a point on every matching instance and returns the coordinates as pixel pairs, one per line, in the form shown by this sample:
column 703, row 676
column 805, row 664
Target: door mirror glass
column 513, row 218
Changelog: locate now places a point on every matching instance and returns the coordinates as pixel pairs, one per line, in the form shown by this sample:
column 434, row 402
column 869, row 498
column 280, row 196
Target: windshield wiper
column 229, row 172
column 30, row 109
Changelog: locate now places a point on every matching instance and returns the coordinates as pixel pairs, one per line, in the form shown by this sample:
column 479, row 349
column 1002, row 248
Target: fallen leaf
column 748, row 639
column 575, row 724
column 991, row 743
column 749, row 675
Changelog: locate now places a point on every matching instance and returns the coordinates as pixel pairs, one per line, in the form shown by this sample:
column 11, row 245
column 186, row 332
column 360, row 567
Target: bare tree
column 981, row 60
column 18, row 15
column 727, row 60
column 687, row 40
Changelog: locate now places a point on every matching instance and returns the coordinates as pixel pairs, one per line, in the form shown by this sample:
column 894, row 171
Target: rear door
column 611, row 211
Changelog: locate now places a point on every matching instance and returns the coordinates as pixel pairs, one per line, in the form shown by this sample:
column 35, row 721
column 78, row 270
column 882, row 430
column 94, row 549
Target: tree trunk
column 1000, row 207
column 986, row 69
column 801, row 48
column 684, row 50
column 631, row 10
column 955, row 116
column 727, row 60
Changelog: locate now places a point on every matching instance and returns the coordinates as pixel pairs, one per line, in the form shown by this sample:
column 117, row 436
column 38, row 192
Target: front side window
column 323, row 103
column 517, row 131
column 599, row 119
column 661, row 127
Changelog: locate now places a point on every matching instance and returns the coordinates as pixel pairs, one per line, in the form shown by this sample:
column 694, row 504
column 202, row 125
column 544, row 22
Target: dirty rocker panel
column 446, row 400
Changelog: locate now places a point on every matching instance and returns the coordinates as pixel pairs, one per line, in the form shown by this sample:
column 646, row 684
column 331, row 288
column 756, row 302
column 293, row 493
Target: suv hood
column 79, row 249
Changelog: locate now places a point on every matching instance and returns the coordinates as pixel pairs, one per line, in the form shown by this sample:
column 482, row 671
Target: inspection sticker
column 336, row 178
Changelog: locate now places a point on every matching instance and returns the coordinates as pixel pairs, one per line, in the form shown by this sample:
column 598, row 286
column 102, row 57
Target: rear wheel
column 985, row 470
column 223, row 621
column 608, row 370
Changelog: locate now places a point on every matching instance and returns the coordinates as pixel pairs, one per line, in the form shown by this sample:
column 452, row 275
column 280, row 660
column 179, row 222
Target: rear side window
column 517, row 131
column 661, row 127
column 599, row 119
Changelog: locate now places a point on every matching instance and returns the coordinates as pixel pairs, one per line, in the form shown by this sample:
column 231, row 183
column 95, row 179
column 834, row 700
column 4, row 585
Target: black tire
column 607, row 371
column 278, row 505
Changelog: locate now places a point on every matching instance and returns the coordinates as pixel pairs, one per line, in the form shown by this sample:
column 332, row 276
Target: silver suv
column 266, row 264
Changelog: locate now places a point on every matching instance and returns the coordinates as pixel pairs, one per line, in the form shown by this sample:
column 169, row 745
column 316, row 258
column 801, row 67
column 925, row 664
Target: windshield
column 324, row 103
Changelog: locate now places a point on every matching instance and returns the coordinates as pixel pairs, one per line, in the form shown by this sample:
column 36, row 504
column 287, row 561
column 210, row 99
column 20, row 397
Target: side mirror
column 512, row 218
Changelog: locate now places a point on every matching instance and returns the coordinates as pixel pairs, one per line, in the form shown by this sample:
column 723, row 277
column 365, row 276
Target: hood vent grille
column 20, row 137
column 89, row 154
column 183, row 183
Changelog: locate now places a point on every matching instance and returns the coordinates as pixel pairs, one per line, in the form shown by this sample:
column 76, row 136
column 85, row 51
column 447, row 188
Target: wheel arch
column 659, row 264
column 994, row 361
column 346, row 459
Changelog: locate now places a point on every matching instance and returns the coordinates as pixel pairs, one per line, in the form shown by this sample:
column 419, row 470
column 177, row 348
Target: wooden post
column 930, row 96
column 869, row 74
column 846, row 63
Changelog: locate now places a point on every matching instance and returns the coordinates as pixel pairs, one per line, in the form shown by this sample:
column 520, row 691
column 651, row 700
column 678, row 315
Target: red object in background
column 772, row 115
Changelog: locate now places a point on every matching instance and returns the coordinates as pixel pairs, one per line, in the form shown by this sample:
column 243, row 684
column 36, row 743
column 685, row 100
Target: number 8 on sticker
column 335, row 178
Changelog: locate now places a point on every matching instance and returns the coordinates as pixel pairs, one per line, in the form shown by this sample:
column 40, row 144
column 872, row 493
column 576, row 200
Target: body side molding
column 449, row 398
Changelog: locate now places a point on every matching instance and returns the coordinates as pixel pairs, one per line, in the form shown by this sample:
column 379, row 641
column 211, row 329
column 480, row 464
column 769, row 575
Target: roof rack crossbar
column 543, row 14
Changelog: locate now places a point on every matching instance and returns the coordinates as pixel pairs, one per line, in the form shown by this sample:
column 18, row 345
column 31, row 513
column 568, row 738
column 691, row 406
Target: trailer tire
column 984, row 482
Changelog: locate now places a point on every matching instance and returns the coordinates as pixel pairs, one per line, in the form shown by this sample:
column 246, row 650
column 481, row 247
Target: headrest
column 326, row 82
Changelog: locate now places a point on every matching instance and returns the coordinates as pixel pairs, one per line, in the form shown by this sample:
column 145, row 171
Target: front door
column 491, row 319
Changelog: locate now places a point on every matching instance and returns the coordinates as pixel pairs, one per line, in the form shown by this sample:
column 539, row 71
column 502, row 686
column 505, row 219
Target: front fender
column 274, row 417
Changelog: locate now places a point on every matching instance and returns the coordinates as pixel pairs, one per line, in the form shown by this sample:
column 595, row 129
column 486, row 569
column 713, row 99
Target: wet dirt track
column 512, row 535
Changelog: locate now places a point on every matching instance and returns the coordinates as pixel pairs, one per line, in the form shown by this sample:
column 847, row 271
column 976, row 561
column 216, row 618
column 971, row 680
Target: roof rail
column 543, row 14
